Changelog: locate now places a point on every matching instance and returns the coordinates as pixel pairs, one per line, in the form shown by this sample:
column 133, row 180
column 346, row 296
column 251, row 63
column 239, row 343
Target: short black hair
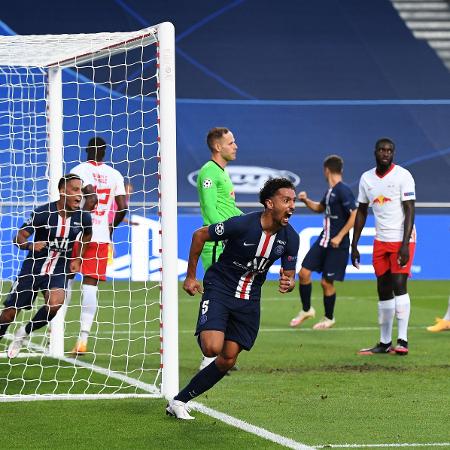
column 214, row 134
column 271, row 186
column 94, row 143
column 334, row 163
column 66, row 178
column 384, row 140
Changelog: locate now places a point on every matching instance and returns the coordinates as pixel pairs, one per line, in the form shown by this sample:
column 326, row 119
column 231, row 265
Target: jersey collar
column 95, row 163
column 388, row 171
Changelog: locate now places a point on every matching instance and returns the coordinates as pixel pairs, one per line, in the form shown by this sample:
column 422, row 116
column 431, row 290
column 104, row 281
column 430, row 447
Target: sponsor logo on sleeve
column 207, row 183
column 219, row 229
column 408, row 194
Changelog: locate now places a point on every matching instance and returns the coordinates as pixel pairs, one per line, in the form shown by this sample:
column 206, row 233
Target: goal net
column 56, row 93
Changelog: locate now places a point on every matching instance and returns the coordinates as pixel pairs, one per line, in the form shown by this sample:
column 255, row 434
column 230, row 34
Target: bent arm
column 90, row 198
column 21, row 240
column 345, row 229
column 409, row 209
column 199, row 238
column 360, row 221
column 122, row 209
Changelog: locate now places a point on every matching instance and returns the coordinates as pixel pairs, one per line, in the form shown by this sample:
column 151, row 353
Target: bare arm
column 90, row 198
column 360, row 221
column 21, row 241
column 191, row 285
column 344, row 230
column 313, row 206
column 75, row 264
column 122, row 209
column 409, row 209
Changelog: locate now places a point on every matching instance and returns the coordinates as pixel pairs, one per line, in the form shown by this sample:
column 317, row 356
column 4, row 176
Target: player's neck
column 383, row 169
column 61, row 210
column 334, row 179
column 268, row 225
column 219, row 161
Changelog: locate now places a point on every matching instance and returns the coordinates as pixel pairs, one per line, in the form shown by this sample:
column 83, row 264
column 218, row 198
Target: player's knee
column 225, row 363
column 304, row 276
column 8, row 315
column 326, row 284
column 210, row 349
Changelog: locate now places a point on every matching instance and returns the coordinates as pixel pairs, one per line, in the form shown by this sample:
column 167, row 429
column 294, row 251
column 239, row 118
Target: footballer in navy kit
column 56, row 226
column 329, row 254
column 229, row 312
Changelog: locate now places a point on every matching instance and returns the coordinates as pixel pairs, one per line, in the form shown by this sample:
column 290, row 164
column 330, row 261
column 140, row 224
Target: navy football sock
column 305, row 295
column 3, row 328
column 203, row 381
column 40, row 319
column 328, row 303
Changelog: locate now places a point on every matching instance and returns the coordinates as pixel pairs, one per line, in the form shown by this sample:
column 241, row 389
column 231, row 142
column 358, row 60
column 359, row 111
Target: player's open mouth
column 287, row 217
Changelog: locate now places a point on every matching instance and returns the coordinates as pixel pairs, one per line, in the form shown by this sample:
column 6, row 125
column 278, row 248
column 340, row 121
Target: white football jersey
column 108, row 183
column 385, row 195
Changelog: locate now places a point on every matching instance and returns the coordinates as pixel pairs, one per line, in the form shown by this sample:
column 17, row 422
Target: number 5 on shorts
column 205, row 306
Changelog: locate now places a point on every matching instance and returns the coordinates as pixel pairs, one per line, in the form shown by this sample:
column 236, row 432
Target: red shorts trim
column 95, row 260
column 385, row 256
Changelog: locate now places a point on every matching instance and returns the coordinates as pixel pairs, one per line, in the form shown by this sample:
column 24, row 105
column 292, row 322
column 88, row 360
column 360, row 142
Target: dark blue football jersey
column 60, row 233
column 339, row 202
column 248, row 254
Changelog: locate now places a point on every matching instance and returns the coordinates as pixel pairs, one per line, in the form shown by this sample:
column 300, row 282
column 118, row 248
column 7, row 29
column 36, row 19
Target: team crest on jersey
column 219, row 229
column 207, row 183
column 381, row 200
column 279, row 250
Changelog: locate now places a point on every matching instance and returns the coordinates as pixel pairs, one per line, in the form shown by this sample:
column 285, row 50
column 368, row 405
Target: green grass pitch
column 309, row 386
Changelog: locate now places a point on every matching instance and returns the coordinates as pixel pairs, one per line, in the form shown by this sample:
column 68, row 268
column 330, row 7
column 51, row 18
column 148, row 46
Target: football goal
column 56, row 93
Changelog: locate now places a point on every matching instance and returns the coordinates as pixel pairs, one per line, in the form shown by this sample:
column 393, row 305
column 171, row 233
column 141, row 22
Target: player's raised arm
column 317, row 207
column 191, row 285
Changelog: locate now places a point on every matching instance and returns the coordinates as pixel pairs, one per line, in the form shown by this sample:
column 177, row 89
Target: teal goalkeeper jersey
column 216, row 194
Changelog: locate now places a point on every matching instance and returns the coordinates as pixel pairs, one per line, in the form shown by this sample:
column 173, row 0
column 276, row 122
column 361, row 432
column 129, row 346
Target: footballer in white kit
column 108, row 186
column 390, row 190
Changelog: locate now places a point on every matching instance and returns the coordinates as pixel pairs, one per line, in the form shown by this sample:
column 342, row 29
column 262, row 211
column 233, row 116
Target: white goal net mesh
column 111, row 89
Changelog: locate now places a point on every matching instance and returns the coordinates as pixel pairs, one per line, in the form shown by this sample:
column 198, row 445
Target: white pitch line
column 433, row 444
column 249, row 428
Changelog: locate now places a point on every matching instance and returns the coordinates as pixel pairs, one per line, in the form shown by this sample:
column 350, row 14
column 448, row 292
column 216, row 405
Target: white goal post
column 56, row 92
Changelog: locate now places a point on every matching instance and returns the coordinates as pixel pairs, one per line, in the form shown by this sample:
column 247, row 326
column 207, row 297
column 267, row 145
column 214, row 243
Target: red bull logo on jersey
column 381, row 200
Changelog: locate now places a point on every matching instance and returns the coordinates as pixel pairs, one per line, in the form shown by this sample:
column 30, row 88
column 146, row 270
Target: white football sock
column 88, row 310
column 68, row 298
column 386, row 312
column 402, row 310
column 447, row 314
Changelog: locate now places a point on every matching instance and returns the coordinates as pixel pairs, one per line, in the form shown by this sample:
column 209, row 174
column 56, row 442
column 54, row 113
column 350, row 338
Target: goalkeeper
column 216, row 193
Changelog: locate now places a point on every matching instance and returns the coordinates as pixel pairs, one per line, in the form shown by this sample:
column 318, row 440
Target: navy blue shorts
column 238, row 319
column 26, row 287
column 329, row 261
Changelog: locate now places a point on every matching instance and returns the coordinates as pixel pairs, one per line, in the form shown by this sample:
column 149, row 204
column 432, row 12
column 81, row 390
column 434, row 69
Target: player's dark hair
column 214, row 134
column 382, row 141
column 66, row 178
column 334, row 163
column 271, row 186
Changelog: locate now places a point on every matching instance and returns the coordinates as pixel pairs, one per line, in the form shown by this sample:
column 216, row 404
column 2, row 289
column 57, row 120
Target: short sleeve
column 407, row 187
column 37, row 219
column 289, row 259
column 362, row 194
column 348, row 199
column 120, row 185
column 86, row 222
column 231, row 228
